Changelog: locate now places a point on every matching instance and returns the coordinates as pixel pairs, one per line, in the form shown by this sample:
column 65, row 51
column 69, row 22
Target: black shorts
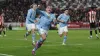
column 1, row 26
column 93, row 25
column 99, row 24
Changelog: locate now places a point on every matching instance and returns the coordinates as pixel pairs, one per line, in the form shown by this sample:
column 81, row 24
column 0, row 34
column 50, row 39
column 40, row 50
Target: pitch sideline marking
column 5, row 54
column 43, row 45
column 36, row 40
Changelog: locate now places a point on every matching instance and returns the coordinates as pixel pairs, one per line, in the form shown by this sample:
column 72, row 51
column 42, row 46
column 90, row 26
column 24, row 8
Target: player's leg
column 57, row 28
column 43, row 35
column 65, row 35
column 96, row 33
column 95, row 28
column 0, row 32
column 4, row 31
column 90, row 32
column 60, row 31
column 99, row 27
column 27, row 34
column 91, row 27
column 40, row 41
column 28, row 28
column 33, row 34
column 99, row 30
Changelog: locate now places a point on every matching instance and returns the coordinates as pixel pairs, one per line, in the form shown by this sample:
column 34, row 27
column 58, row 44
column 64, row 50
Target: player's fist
column 39, row 6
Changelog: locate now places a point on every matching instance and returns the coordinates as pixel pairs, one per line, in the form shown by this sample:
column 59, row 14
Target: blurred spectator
column 16, row 10
column 10, row 27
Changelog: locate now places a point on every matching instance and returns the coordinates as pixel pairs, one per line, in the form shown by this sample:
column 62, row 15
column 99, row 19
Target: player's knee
column 60, row 35
column 65, row 35
column 0, row 29
column 33, row 29
column 44, row 38
column 29, row 32
column 90, row 29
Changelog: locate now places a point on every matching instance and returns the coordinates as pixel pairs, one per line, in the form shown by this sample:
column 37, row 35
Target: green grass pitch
column 78, row 44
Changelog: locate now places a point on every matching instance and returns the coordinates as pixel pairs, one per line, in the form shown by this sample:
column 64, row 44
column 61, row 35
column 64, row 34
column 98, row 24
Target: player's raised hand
column 39, row 6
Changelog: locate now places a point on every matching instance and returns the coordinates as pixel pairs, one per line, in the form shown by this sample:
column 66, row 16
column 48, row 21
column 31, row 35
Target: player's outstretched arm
column 59, row 18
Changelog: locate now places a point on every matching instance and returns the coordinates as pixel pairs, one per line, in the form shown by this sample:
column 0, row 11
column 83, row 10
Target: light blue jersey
column 38, row 19
column 45, row 20
column 65, row 18
column 30, row 16
column 37, row 23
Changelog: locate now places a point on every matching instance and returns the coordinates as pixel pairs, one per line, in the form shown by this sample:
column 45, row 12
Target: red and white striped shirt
column 1, row 20
column 92, row 16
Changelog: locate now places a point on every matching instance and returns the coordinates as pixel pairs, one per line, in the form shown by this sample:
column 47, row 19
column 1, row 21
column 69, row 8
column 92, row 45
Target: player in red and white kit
column 93, row 22
column 2, row 27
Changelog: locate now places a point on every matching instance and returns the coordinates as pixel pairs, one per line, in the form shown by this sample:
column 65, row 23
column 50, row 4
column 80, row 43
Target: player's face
column 49, row 9
column 66, row 12
column 34, row 6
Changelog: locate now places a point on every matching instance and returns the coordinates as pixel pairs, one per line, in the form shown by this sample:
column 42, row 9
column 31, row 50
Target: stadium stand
column 15, row 10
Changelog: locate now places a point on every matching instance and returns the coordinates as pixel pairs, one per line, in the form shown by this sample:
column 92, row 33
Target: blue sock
column 33, row 37
column 40, row 39
column 64, row 40
column 39, row 44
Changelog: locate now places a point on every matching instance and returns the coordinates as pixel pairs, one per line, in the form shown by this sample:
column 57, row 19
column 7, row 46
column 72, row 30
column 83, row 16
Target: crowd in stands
column 16, row 10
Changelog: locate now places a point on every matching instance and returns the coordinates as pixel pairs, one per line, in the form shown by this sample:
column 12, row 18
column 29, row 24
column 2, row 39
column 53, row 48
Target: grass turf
column 78, row 44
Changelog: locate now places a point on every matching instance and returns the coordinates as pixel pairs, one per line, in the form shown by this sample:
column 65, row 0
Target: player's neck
column 33, row 9
column 65, row 14
column 48, row 12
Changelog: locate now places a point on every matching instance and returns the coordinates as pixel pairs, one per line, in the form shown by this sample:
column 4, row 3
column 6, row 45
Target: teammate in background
column 45, row 21
column 38, row 16
column 93, row 22
column 2, row 27
column 30, row 22
column 63, row 29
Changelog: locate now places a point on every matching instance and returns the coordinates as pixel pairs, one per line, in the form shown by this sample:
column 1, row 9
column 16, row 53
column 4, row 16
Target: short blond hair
column 31, row 6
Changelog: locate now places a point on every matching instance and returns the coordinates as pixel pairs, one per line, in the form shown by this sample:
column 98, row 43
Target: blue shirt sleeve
column 59, row 17
column 40, row 12
column 29, row 14
column 54, row 17
column 68, row 17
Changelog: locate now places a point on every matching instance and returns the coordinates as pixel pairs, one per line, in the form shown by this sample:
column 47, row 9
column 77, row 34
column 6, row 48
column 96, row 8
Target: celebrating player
column 45, row 21
column 63, row 29
column 30, row 22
